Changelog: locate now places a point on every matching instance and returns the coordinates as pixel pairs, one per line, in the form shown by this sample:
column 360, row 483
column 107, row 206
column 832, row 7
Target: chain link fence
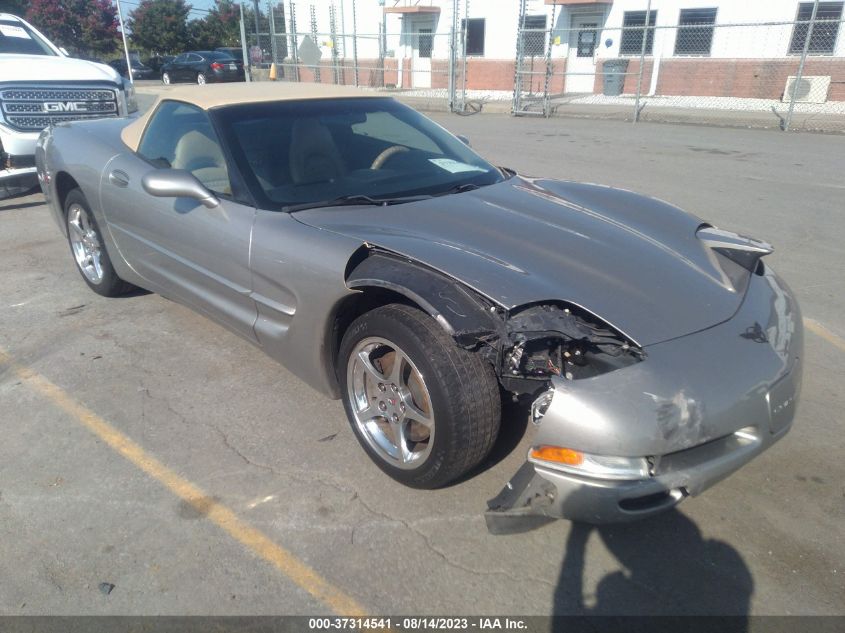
column 549, row 59
column 323, row 42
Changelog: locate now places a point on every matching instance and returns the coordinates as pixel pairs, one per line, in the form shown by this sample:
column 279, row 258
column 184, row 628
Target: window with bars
column 825, row 28
column 633, row 27
column 534, row 35
column 474, row 29
column 695, row 32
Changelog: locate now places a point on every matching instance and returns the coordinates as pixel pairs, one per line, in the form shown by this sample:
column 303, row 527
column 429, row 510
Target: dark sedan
column 156, row 62
column 202, row 67
column 139, row 70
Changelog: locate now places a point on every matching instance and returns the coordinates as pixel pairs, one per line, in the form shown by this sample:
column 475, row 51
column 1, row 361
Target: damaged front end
column 622, row 431
column 549, row 340
column 676, row 418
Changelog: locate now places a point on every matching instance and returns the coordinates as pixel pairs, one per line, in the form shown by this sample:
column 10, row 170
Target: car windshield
column 18, row 38
column 302, row 153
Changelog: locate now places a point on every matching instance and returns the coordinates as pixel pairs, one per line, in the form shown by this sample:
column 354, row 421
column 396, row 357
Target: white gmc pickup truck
column 41, row 86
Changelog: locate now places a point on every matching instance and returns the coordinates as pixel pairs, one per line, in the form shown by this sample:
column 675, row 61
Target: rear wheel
column 424, row 410
column 165, row 79
column 200, row 78
column 88, row 249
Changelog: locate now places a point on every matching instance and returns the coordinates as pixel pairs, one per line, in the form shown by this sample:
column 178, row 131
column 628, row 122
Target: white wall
column 728, row 41
column 501, row 17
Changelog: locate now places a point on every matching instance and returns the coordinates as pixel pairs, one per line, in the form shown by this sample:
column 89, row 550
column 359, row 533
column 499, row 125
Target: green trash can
column 613, row 71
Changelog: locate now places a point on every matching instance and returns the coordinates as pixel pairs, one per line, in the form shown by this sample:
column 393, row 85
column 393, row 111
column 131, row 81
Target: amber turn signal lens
column 558, row 454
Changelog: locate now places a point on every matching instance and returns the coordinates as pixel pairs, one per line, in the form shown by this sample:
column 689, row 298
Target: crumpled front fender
column 698, row 407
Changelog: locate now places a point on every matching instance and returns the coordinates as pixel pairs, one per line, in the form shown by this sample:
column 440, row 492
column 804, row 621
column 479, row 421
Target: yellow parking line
column 819, row 330
column 253, row 539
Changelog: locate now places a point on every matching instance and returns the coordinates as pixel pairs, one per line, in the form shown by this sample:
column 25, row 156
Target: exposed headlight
column 131, row 99
column 598, row 466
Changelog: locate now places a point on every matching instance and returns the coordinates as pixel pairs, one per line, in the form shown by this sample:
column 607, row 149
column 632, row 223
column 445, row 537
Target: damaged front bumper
column 695, row 410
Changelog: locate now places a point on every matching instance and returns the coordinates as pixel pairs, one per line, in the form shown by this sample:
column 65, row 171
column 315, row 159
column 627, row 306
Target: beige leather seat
column 314, row 157
column 198, row 154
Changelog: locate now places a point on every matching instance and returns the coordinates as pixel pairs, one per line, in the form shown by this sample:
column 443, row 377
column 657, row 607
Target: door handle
column 119, row 178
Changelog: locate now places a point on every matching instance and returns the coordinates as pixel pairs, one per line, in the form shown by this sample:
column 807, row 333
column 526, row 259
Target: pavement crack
column 312, row 477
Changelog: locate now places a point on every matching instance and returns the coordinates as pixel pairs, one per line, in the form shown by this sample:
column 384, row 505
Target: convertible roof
column 214, row 95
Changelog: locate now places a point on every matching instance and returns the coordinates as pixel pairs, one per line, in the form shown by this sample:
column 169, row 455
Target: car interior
column 312, row 156
column 320, row 157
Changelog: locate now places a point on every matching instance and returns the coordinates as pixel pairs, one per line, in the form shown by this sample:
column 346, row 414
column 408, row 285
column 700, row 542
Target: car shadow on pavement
column 11, row 205
column 668, row 568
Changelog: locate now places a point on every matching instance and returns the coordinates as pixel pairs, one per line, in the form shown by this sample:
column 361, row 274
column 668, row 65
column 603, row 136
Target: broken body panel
column 697, row 409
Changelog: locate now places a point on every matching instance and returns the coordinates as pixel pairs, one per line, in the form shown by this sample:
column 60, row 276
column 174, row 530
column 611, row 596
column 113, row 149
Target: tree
column 220, row 27
column 160, row 26
column 87, row 27
column 15, row 7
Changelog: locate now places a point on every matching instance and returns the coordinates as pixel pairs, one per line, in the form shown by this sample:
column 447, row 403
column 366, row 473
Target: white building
column 723, row 47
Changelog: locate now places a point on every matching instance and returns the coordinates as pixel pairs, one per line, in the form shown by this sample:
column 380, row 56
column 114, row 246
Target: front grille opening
column 654, row 501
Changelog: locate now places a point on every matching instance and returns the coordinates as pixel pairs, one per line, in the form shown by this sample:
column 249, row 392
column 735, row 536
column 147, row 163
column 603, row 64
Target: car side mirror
column 463, row 139
column 177, row 183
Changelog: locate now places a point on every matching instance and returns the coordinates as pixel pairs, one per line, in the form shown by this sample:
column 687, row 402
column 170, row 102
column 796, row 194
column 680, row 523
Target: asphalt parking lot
column 145, row 447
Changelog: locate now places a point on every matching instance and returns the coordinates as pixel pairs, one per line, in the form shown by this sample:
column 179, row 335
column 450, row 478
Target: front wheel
column 424, row 410
column 88, row 249
column 200, row 78
column 165, row 79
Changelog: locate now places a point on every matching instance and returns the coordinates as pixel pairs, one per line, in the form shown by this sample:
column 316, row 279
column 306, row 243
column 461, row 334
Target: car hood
column 631, row 260
column 53, row 69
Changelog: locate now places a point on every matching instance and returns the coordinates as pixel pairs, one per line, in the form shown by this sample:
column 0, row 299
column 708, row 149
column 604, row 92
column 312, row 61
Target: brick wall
column 369, row 72
column 758, row 78
column 700, row 77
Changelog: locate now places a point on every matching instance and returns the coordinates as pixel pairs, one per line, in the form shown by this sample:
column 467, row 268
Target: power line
column 191, row 10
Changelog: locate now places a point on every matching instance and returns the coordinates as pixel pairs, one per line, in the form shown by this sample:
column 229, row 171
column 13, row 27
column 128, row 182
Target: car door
column 177, row 71
column 184, row 250
column 197, row 64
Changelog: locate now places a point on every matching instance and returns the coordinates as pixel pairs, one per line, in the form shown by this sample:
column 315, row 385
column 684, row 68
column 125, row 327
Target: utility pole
column 257, row 31
column 642, row 63
column 800, row 73
column 244, row 51
column 125, row 47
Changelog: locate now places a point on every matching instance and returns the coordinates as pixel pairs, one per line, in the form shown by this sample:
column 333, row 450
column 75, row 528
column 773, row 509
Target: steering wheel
column 386, row 155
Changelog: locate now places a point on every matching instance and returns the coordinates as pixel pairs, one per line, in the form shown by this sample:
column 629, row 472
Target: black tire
column 463, row 389
column 110, row 285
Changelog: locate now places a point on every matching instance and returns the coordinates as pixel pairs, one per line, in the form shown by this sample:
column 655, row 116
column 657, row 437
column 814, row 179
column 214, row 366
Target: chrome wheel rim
column 200, row 79
column 165, row 78
column 85, row 243
column 390, row 402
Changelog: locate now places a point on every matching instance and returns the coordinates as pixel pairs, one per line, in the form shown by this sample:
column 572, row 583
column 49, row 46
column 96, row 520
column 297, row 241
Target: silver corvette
column 385, row 263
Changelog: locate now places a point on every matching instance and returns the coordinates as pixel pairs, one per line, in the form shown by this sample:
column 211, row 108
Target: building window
column 426, row 42
column 695, row 36
column 534, row 35
column 474, row 29
column 633, row 27
column 825, row 28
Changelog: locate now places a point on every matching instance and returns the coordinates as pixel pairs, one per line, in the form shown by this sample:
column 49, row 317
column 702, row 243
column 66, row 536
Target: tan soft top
column 213, row 95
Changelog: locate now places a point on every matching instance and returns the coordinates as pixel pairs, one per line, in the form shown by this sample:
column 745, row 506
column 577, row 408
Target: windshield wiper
column 351, row 200
column 459, row 188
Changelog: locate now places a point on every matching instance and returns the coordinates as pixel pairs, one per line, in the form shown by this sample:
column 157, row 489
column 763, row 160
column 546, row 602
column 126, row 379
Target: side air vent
column 745, row 251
